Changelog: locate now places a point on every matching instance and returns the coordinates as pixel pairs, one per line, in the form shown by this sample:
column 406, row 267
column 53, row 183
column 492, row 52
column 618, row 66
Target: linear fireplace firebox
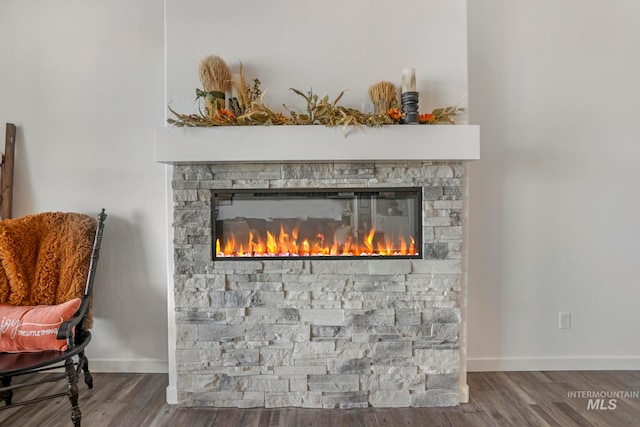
column 327, row 223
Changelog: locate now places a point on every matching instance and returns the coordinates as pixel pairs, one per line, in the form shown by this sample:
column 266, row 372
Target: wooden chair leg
column 7, row 395
column 72, row 381
column 88, row 379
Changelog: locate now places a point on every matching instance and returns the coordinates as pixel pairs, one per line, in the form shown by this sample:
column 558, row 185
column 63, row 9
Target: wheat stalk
column 383, row 97
column 243, row 94
column 215, row 77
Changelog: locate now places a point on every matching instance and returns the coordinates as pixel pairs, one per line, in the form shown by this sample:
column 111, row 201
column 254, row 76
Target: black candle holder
column 409, row 102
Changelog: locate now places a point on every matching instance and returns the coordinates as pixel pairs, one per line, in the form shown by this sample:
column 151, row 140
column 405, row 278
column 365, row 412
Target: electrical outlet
column 564, row 320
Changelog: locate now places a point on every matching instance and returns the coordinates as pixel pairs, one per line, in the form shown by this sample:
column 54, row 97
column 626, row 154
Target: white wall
column 330, row 46
column 83, row 81
column 553, row 86
column 555, row 204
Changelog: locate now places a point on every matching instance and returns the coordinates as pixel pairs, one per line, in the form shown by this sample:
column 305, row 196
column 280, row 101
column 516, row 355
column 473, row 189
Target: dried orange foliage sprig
column 225, row 114
column 319, row 111
column 441, row 116
column 426, row 118
column 394, row 114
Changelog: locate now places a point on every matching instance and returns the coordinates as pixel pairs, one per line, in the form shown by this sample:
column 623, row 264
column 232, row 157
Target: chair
column 55, row 256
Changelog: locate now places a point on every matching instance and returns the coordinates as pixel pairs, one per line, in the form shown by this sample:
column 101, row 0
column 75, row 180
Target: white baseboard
column 577, row 363
column 172, row 395
column 464, row 394
column 140, row 366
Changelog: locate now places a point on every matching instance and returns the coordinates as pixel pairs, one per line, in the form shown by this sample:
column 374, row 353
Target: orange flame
column 368, row 241
column 272, row 246
column 285, row 244
column 403, row 244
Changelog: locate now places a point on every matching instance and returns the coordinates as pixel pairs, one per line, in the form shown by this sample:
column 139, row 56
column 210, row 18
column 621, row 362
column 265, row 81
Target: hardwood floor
column 497, row 399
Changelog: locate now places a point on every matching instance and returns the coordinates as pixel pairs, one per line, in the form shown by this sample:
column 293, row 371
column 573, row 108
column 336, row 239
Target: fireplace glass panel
column 381, row 223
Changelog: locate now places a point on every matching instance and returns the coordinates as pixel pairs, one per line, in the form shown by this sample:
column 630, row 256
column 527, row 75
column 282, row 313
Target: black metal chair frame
column 77, row 336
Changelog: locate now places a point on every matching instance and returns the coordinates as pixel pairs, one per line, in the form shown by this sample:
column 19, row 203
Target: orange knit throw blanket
column 45, row 258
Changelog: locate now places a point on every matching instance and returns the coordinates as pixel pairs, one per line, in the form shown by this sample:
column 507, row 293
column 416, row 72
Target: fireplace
column 327, row 223
column 319, row 331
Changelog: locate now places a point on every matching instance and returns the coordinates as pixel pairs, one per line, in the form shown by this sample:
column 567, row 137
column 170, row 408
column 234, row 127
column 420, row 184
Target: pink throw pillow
column 34, row 328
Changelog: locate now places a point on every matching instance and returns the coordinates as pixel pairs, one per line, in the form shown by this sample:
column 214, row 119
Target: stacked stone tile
column 318, row 333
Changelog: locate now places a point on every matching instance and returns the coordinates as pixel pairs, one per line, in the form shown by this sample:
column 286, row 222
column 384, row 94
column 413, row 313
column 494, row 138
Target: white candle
column 408, row 80
column 234, row 85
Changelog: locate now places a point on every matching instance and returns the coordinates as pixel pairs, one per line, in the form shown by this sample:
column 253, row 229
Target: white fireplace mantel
column 175, row 145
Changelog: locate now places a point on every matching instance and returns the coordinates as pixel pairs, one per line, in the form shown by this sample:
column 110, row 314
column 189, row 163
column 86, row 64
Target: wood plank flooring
column 497, row 399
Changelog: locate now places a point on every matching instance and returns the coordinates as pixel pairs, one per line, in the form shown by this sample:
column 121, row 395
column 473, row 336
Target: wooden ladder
column 6, row 176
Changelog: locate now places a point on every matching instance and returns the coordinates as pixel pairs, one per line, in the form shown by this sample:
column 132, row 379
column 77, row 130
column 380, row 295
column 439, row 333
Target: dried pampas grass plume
column 383, row 97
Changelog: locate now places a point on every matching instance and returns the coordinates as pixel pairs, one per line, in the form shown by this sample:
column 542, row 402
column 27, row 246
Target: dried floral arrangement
column 249, row 107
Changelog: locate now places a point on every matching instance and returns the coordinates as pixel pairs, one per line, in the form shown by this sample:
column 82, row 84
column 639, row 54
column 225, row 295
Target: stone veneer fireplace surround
column 320, row 333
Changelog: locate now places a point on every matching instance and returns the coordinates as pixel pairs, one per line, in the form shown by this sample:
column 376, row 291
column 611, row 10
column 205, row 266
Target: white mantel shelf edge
column 284, row 144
